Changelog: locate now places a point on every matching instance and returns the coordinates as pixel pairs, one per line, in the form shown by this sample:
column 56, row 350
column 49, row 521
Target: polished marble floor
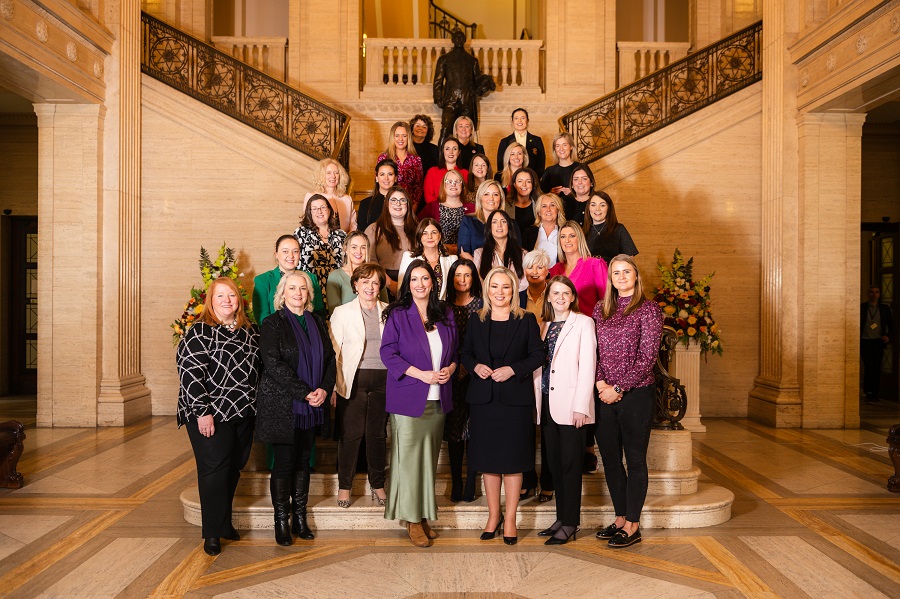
column 100, row 516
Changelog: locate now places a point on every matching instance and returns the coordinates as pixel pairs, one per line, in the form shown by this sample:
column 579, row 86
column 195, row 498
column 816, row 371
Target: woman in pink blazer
column 564, row 395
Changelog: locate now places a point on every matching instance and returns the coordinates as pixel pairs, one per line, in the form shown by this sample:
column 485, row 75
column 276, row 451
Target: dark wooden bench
column 12, row 435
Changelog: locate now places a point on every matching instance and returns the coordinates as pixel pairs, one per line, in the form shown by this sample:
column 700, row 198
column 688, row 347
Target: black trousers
column 219, row 461
column 872, row 353
column 565, row 454
column 293, row 457
column 363, row 415
column 624, row 427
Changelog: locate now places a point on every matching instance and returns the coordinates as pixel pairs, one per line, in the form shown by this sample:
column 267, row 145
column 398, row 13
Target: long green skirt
column 415, row 445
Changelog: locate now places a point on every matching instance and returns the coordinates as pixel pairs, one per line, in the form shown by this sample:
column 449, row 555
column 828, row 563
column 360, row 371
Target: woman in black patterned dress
column 218, row 368
column 464, row 297
column 321, row 239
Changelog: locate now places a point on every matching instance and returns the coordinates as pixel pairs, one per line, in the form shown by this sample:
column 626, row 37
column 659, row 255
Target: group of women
column 437, row 314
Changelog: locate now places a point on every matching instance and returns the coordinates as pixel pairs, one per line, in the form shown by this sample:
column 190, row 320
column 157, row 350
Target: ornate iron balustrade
column 671, row 398
column 442, row 23
column 681, row 88
column 242, row 92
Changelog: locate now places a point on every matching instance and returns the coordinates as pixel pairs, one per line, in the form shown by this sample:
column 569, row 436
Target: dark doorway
column 23, row 305
column 882, row 268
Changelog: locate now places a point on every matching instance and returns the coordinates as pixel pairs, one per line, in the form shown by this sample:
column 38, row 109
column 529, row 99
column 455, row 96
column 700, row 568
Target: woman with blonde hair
column 488, row 198
column 514, row 158
column 544, row 234
column 409, row 166
column 339, row 287
column 464, row 131
column 298, row 378
column 332, row 181
column 502, row 347
column 558, row 177
column 629, row 329
column 218, row 369
column 587, row 273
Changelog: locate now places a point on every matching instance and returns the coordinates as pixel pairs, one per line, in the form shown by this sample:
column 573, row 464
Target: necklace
column 230, row 326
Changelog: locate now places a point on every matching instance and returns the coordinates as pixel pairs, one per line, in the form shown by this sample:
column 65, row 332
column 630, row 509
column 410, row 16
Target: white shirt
column 549, row 244
column 522, row 138
column 436, row 346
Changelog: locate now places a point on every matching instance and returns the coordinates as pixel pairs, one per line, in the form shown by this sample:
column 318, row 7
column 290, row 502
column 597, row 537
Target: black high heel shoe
column 549, row 532
column 527, row 493
column 487, row 536
column 554, row 540
column 543, row 497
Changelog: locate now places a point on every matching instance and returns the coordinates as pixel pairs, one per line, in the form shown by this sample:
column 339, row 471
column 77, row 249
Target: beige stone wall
column 880, row 172
column 207, row 179
column 696, row 186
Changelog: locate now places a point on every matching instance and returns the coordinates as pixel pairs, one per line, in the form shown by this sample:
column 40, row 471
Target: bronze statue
column 458, row 82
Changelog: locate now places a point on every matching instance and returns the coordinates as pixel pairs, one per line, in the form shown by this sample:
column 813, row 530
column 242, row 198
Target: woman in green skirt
column 419, row 350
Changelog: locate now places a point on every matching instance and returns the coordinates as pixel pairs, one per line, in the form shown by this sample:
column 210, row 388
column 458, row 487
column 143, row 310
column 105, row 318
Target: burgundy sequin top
column 627, row 346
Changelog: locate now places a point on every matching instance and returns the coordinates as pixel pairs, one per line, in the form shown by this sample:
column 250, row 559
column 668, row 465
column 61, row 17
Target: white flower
column 683, row 314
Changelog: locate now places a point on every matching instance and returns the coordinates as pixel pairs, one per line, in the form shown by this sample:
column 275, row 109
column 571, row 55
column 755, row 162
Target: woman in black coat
column 502, row 348
column 299, row 374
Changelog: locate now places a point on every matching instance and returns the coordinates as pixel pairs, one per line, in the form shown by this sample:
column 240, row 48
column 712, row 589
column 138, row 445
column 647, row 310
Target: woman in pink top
column 586, row 273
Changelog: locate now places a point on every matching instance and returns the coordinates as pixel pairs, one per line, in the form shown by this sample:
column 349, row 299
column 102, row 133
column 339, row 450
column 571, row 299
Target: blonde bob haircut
column 279, row 291
column 560, row 210
column 479, row 211
column 573, row 153
column 208, row 316
column 473, row 137
column 610, row 298
column 514, row 309
column 319, row 177
column 582, row 242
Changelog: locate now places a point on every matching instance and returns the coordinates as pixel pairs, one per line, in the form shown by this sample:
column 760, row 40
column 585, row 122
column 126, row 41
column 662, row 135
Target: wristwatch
column 618, row 390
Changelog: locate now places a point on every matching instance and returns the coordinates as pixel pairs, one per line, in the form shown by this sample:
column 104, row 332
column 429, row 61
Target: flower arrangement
column 686, row 304
column 224, row 266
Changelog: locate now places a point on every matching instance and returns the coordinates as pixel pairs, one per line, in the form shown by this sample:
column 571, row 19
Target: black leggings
column 293, row 457
column 625, row 427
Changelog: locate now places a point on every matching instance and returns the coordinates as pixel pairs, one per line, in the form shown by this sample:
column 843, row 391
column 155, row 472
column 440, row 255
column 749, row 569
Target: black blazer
column 279, row 385
column 369, row 210
column 524, row 353
column 535, row 148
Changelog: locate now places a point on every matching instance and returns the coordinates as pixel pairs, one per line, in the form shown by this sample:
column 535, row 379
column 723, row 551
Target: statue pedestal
column 687, row 370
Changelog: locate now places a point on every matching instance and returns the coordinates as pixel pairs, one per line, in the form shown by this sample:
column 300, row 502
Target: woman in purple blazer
column 419, row 350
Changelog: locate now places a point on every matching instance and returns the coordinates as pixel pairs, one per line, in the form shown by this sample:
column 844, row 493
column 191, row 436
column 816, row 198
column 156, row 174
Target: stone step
column 710, row 505
column 662, row 482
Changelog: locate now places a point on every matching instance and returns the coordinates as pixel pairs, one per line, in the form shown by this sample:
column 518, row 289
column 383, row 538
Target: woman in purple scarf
column 299, row 375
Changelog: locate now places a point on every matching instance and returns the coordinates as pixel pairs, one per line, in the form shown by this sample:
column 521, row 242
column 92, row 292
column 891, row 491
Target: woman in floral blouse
column 321, row 239
column 629, row 330
column 409, row 166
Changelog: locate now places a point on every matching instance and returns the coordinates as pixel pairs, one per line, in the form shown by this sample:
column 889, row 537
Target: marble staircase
column 676, row 498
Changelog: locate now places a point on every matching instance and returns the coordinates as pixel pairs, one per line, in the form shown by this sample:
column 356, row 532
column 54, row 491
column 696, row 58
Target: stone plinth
column 687, row 370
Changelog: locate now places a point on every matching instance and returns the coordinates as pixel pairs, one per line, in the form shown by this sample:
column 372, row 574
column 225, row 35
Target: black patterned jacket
column 219, row 372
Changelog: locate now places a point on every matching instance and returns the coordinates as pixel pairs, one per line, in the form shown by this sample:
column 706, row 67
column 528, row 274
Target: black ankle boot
column 301, row 498
column 280, row 488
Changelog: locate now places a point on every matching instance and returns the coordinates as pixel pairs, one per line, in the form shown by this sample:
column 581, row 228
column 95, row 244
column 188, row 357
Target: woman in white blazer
column 359, row 398
column 430, row 248
column 564, row 395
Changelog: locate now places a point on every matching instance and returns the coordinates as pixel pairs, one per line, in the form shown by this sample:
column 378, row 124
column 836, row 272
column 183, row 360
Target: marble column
column 69, row 345
column 830, row 147
column 775, row 397
column 123, row 396
column 687, row 370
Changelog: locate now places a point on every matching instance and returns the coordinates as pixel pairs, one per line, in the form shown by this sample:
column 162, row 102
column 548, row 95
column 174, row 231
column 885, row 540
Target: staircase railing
column 681, row 88
column 242, row 92
column 442, row 23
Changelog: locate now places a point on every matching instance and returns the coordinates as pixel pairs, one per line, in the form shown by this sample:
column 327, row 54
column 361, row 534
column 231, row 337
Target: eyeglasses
column 319, row 209
column 398, row 201
column 453, row 183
